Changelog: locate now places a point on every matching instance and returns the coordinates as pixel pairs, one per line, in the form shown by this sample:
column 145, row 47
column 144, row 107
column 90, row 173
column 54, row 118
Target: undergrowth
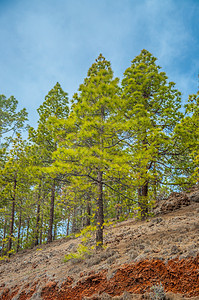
column 157, row 292
column 83, row 248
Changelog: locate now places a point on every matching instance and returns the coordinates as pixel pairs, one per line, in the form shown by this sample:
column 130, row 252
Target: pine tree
column 186, row 171
column 55, row 105
column 10, row 119
column 91, row 146
column 14, row 184
column 151, row 110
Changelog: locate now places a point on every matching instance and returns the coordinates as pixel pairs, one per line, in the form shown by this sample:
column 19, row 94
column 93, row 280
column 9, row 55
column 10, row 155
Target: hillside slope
column 138, row 254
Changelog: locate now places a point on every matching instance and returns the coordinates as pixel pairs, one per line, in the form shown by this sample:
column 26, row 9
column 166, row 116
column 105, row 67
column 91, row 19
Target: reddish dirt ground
column 177, row 276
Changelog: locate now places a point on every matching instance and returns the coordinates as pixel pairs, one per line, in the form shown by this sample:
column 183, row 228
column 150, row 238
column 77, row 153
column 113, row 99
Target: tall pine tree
column 151, row 110
column 91, row 147
column 55, row 105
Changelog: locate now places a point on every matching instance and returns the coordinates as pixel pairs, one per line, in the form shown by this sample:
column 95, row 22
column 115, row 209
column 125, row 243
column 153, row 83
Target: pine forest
column 108, row 154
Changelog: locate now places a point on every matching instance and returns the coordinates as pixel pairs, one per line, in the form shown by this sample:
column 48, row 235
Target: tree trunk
column 68, row 224
column 4, row 235
column 41, row 231
column 12, row 217
column 74, row 221
column 100, row 213
column 22, row 236
column 51, row 219
column 143, row 200
column 38, row 217
column 55, row 232
column 88, row 211
column 19, row 232
column 28, row 226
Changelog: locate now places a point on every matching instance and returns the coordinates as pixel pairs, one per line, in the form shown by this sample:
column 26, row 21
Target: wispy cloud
column 43, row 42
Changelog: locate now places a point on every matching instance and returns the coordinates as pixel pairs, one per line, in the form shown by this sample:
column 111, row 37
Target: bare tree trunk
column 19, row 232
column 27, row 231
column 12, row 216
column 22, row 233
column 37, row 225
column 143, row 200
column 81, row 223
column 68, row 224
column 41, row 231
column 100, row 208
column 100, row 213
column 51, row 219
column 88, row 211
column 4, row 235
column 55, row 232
column 74, row 220
column 38, row 217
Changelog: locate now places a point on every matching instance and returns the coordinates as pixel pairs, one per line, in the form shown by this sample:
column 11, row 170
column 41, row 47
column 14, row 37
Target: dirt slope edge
column 139, row 254
column 177, row 276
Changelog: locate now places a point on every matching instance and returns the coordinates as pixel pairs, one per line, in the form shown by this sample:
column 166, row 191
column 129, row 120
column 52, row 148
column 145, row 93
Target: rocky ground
column 138, row 255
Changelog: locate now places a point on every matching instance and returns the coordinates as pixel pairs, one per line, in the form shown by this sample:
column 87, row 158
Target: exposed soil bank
column 177, row 276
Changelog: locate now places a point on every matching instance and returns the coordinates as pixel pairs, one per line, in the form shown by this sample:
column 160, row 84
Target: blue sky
column 45, row 41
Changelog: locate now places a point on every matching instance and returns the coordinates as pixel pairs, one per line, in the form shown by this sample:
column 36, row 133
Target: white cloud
column 43, row 42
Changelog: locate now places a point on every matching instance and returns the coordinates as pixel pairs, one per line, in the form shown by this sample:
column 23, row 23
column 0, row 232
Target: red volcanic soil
column 177, row 276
